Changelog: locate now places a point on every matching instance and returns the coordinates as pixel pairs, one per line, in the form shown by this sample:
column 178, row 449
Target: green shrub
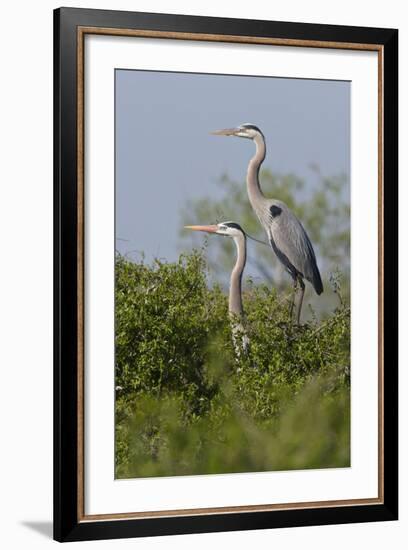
column 186, row 404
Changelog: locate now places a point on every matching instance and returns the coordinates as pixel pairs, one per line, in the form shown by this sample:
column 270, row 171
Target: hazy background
column 166, row 156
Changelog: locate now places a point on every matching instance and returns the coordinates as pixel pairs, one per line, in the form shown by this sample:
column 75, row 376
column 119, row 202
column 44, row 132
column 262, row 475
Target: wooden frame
column 71, row 26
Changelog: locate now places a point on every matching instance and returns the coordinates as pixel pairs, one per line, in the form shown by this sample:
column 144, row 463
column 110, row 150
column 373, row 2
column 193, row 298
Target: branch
column 327, row 323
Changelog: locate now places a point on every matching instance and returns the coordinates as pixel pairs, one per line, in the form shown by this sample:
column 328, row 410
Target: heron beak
column 206, row 228
column 226, row 132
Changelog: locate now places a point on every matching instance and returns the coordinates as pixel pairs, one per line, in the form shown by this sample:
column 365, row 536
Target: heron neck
column 235, row 296
column 254, row 191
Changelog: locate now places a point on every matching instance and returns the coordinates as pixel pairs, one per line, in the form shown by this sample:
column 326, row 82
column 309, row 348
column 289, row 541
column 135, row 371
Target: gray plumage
column 286, row 234
column 290, row 242
column 235, row 307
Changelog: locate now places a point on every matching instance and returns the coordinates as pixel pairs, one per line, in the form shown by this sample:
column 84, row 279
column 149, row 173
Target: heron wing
column 292, row 244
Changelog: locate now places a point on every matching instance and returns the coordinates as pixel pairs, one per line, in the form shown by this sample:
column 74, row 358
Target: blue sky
column 166, row 155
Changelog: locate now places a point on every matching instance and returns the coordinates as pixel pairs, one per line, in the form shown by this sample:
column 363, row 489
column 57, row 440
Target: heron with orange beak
column 235, row 307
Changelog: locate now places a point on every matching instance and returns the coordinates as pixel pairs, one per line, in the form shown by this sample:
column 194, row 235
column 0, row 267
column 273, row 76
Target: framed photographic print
column 225, row 274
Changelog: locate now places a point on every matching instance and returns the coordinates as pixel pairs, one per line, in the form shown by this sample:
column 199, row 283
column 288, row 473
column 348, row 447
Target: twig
column 330, row 321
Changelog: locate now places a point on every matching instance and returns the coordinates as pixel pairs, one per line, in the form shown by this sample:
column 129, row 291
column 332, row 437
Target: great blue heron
column 286, row 234
column 235, row 307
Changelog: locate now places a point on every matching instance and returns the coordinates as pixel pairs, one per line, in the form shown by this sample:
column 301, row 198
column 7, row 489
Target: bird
column 286, row 234
column 235, row 308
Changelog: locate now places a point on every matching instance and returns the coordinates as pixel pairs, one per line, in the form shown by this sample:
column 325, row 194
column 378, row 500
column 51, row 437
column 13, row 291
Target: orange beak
column 206, row 228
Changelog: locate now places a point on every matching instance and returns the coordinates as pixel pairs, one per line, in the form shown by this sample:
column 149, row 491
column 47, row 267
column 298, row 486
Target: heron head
column 227, row 229
column 249, row 131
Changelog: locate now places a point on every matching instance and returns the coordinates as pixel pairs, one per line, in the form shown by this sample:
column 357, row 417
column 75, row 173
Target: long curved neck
column 254, row 191
column 235, row 295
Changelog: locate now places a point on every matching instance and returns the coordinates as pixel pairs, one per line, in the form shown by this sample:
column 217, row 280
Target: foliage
column 325, row 205
column 186, row 403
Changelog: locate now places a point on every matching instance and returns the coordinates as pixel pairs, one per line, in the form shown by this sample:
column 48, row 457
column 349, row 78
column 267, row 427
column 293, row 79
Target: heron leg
column 300, row 300
column 292, row 303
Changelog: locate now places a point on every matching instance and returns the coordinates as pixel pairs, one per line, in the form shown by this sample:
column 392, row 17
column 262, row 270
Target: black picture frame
column 67, row 525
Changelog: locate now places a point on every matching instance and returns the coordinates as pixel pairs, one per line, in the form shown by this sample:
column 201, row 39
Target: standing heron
column 235, row 307
column 286, row 234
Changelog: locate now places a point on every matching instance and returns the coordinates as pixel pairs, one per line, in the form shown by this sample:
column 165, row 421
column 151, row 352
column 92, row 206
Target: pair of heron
column 284, row 231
